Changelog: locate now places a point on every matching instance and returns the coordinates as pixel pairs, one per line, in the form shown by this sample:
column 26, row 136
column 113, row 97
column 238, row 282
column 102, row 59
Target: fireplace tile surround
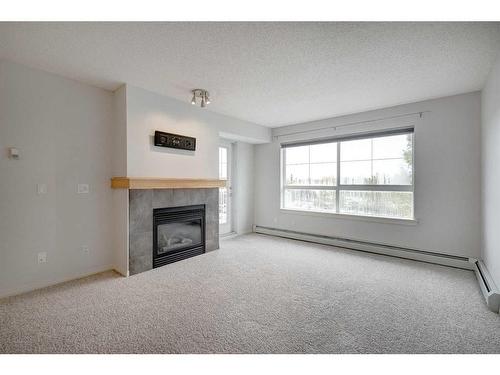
column 141, row 205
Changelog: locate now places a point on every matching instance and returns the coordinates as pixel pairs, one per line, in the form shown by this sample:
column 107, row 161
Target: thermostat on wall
column 175, row 141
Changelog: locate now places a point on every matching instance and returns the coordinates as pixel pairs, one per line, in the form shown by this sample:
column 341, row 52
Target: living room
column 182, row 187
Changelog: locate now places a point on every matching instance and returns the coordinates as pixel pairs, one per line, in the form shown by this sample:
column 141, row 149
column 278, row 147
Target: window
column 360, row 175
column 223, row 196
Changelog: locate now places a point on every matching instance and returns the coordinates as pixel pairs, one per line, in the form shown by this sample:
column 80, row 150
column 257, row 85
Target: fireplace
column 143, row 203
column 178, row 233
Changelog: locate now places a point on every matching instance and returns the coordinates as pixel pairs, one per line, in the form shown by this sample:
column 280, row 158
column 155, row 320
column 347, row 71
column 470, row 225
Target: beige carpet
column 259, row 294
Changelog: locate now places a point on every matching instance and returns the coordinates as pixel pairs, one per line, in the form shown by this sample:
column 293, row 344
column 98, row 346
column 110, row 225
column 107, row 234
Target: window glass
column 223, row 205
column 223, row 163
column 356, row 172
column 392, row 160
column 223, row 192
column 377, row 203
column 310, row 200
column 359, row 149
column 373, row 177
column 323, row 174
column 392, row 147
column 297, row 155
column 323, row 153
column 391, row 172
column 297, row 174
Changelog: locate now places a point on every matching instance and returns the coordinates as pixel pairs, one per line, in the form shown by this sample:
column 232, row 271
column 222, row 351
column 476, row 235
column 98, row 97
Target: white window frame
column 357, row 187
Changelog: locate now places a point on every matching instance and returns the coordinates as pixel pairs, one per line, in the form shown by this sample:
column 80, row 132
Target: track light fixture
column 202, row 94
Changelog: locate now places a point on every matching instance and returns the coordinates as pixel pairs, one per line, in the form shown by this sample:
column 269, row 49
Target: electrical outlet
column 85, row 250
column 42, row 257
column 83, row 188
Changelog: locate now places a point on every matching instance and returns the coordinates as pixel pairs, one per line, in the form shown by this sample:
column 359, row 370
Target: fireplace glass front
column 178, row 233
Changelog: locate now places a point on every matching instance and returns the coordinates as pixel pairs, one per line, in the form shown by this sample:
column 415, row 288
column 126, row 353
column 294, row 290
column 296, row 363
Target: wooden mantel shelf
column 164, row 183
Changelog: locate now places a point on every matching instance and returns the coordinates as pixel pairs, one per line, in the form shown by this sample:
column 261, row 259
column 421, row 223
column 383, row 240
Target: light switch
column 13, row 153
column 41, row 189
column 83, row 188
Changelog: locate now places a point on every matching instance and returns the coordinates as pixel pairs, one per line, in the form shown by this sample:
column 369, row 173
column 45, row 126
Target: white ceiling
column 272, row 74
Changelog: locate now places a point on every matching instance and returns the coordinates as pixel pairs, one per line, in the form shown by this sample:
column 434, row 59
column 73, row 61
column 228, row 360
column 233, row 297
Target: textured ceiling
column 269, row 73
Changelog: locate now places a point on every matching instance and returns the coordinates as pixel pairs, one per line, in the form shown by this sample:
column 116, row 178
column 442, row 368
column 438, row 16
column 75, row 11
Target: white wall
column 243, row 186
column 147, row 112
column 70, row 133
column 490, row 166
column 119, row 168
column 447, row 179
column 62, row 129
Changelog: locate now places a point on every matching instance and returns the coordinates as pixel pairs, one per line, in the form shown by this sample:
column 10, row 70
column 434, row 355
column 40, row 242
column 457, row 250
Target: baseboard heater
column 372, row 247
column 487, row 285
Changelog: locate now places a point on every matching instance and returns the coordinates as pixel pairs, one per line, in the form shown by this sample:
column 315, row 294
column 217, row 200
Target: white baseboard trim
column 376, row 248
column 57, row 280
column 121, row 272
column 227, row 236
column 490, row 291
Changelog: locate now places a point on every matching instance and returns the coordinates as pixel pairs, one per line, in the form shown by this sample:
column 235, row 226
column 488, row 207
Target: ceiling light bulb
column 207, row 98
column 193, row 101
